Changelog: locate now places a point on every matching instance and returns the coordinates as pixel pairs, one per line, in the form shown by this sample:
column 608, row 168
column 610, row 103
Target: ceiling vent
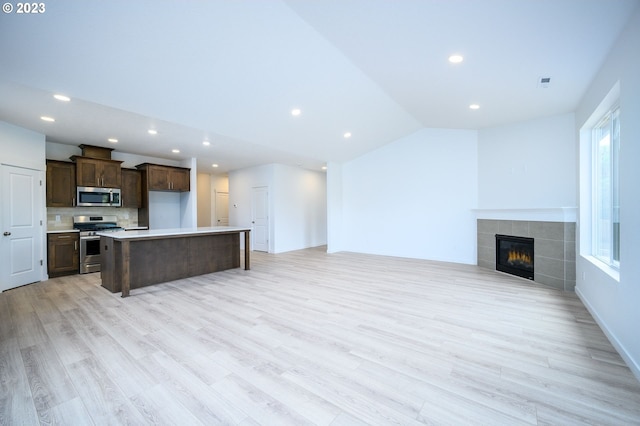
column 544, row 82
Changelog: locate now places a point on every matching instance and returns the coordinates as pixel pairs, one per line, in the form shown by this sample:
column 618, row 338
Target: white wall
column 299, row 198
column 21, row 147
column 297, row 204
column 189, row 200
column 164, row 210
column 528, row 165
column 335, row 241
column 616, row 305
column 413, row 198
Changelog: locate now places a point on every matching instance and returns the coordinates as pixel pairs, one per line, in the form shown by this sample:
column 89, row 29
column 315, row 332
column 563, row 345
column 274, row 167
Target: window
column 604, row 198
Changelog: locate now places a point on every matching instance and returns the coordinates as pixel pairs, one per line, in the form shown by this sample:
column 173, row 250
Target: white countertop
column 173, row 232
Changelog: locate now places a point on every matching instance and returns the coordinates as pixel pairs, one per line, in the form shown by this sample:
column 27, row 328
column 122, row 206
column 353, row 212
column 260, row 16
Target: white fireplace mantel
column 558, row 214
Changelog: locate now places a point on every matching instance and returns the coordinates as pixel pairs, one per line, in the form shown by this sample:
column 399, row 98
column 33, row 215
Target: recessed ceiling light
column 295, row 112
column 49, row 119
column 324, row 167
column 347, row 135
column 113, row 140
column 62, row 98
column 175, row 151
column 474, row 106
column 214, row 165
column 456, row 59
column 152, row 131
column 206, row 143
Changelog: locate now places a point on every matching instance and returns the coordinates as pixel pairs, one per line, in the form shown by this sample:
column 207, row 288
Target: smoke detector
column 544, row 82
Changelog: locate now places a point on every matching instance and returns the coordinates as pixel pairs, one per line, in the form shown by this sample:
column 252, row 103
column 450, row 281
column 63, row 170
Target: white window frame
column 586, row 178
column 605, row 208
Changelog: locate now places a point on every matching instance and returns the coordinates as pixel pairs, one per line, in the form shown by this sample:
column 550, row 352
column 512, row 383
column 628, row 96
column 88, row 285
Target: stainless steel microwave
column 98, row 197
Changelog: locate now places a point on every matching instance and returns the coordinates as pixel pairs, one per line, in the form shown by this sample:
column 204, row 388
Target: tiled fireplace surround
column 554, row 248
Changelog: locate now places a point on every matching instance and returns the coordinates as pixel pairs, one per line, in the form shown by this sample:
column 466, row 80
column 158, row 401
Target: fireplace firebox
column 514, row 255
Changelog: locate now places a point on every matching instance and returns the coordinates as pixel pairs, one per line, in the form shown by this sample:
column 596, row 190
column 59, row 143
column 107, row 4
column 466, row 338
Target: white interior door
column 260, row 219
column 21, row 243
column 222, row 208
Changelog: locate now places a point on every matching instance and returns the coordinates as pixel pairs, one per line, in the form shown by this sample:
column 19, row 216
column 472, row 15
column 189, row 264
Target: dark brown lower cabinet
column 63, row 253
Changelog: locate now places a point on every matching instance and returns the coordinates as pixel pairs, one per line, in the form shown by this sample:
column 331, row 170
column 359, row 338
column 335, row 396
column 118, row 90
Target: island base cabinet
column 156, row 261
column 214, row 253
column 107, row 263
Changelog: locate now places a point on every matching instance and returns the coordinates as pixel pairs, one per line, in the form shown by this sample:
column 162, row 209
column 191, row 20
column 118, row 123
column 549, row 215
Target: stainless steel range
column 90, row 242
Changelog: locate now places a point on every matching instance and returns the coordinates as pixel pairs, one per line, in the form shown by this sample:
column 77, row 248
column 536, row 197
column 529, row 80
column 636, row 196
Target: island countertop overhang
column 171, row 232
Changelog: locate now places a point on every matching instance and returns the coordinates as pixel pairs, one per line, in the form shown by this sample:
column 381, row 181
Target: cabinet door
column 87, row 173
column 61, row 184
column 110, row 176
column 179, row 180
column 131, row 189
column 99, row 173
column 158, row 178
column 63, row 254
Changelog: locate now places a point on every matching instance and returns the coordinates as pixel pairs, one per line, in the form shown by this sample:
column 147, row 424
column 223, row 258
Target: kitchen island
column 133, row 259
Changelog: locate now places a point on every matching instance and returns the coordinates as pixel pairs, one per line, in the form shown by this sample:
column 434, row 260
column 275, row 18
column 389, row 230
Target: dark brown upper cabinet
column 97, row 172
column 61, row 184
column 165, row 178
column 131, row 188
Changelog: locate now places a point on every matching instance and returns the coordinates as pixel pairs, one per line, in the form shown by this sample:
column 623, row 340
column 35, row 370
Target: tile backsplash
column 61, row 218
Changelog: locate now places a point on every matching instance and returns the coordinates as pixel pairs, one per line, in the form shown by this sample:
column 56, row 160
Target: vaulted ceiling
column 231, row 71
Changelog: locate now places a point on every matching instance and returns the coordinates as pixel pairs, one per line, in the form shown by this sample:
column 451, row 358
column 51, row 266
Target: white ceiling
column 230, row 71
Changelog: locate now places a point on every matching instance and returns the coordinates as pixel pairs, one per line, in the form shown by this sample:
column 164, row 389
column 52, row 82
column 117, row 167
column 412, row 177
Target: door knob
column 6, row 234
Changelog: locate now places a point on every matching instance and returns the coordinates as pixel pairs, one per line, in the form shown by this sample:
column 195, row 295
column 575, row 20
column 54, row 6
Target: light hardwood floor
column 310, row 338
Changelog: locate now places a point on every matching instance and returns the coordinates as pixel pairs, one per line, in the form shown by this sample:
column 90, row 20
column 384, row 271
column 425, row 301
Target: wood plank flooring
column 310, row 338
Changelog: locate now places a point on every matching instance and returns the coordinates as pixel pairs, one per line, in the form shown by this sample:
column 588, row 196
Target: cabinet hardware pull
column 75, row 246
column 64, row 236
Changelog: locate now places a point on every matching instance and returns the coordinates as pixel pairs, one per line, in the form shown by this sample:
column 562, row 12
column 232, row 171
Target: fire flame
column 516, row 256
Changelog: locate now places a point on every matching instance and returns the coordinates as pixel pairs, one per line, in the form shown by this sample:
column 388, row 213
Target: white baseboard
column 628, row 359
